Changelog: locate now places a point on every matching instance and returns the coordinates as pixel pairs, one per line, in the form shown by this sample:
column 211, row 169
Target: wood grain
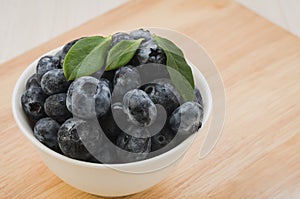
column 258, row 153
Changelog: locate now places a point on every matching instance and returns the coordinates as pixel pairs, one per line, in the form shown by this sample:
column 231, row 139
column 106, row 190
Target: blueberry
column 109, row 126
column 163, row 95
column 187, row 118
column 162, row 139
column 120, row 36
column 156, row 55
column 45, row 130
column 148, row 52
column 75, row 135
column 198, row 97
column 139, row 108
column 126, row 79
column 33, row 103
column 122, row 121
column 107, row 83
column 55, row 107
column 66, row 49
column 46, row 64
column 54, row 81
column 58, row 54
column 140, row 33
column 111, row 120
column 167, row 82
column 32, row 82
column 88, row 97
column 109, row 75
column 135, row 148
column 102, row 97
column 80, row 97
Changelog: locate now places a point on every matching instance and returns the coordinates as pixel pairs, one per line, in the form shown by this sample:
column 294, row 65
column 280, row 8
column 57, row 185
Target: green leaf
column 121, row 53
column 180, row 72
column 86, row 57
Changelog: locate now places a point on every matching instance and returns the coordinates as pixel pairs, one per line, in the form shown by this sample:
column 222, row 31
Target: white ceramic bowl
column 107, row 180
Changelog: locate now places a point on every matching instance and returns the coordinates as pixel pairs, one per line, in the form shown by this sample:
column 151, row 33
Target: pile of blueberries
column 81, row 118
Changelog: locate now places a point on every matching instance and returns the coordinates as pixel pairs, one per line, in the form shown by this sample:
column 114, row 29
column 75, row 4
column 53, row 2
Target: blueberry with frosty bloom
column 163, row 95
column 46, row 64
column 88, row 97
column 54, row 81
column 55, row 107
column 120, row 36
column 187, row 118
column 141, row 34
column 139, row 108
column 126, row 79
column 33, row 103
column 133, row 148
column 45, row 130
column 32, row 82
column 79, row 138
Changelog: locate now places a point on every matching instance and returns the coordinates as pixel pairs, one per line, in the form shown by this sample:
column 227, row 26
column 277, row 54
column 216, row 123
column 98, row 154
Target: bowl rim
column 16, row 108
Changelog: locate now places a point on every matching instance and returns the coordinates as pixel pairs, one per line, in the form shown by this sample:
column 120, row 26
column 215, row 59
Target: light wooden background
column 257, row 155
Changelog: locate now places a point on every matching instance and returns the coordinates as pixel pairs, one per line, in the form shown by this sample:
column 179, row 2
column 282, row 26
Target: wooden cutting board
column 257, row 155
